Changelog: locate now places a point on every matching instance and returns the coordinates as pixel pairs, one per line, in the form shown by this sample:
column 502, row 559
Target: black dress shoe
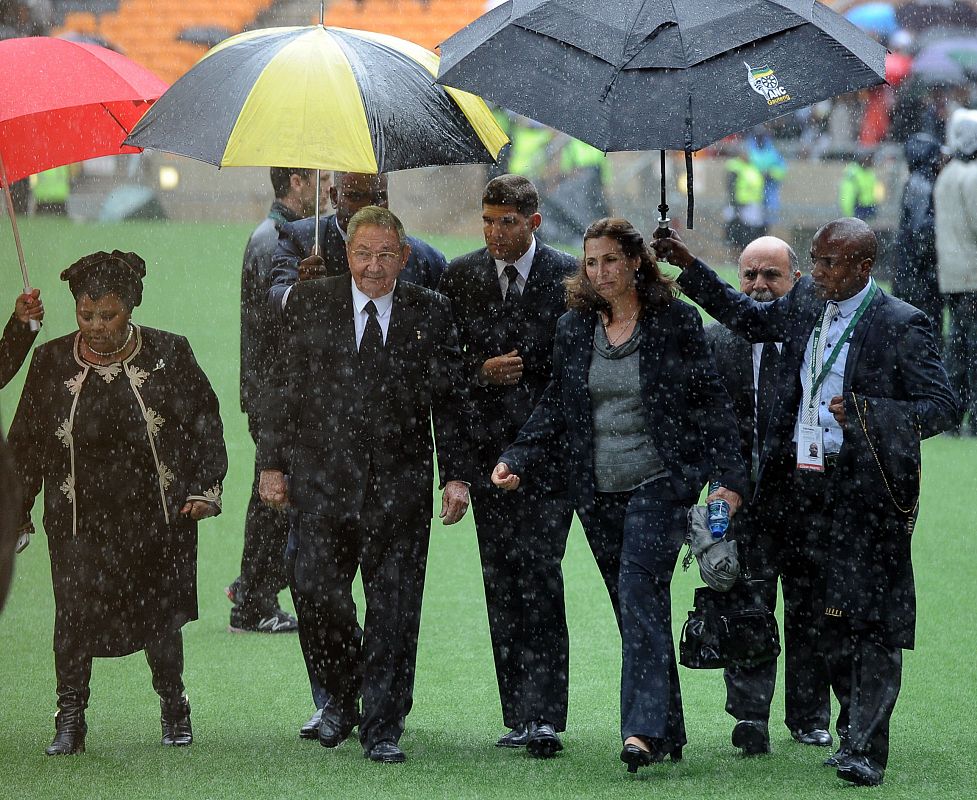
column 517, row 737
column 839, row 757
column 311, row 728
column 386, row 752
column 752, row 737
column 861, row 771
column 542, row 740
column 817, row 737
column 335, row 725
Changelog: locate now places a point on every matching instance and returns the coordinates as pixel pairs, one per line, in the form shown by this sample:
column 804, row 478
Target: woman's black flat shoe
column 635, row 757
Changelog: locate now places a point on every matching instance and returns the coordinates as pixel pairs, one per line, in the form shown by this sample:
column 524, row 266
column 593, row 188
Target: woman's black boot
column 69, row 723
column 175, row 721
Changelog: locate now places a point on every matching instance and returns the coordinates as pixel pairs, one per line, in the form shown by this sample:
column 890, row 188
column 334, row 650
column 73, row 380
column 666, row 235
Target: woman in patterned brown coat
column 122, row 428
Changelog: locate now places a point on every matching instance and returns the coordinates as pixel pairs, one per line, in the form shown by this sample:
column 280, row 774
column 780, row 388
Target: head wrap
column 101, row 273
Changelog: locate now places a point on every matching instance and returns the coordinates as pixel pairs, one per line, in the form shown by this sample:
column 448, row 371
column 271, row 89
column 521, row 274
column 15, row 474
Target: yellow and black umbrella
column 317, row 97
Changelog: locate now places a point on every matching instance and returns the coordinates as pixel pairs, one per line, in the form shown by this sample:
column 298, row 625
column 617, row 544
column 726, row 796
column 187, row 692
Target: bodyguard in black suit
column 854, row 498
column 370, row 361
column 506, row 299
column 768, row 270
column 293, row 259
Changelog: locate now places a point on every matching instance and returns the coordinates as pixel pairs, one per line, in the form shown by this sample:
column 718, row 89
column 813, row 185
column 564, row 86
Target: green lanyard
column 816, row 381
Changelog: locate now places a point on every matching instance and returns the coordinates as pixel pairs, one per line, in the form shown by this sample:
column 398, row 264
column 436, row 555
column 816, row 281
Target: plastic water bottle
column 718, row 514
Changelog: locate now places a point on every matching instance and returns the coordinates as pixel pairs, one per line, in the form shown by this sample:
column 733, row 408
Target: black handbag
column 725, row 629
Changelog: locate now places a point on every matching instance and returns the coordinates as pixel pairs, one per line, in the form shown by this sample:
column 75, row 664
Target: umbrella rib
column 115, row 119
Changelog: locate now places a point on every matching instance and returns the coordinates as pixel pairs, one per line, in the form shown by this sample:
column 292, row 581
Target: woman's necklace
column 125, row 344
column 620, row 336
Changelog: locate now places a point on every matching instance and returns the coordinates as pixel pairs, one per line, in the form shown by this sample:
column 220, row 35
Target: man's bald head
column 767, row 268
column 352, row 191
column 842, row 255
column 859, row 238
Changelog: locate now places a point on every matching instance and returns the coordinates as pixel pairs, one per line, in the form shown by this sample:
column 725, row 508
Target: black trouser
column 866, row 675
column 522, row 538
column 648, row 527
column 263, row 559
column 795, row 529
column 73, row 668
column 961, row 351
column 390, row 551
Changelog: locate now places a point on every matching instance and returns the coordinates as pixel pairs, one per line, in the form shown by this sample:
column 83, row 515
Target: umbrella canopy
column 208, row 35
column 316, row 97
column 659, row 74
column 918, row 15
column 65, row 101
column 952, row 62
column 877, row 18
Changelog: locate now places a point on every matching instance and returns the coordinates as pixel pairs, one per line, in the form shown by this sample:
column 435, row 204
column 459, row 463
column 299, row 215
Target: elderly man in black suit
column 860, row 377
column 768, row 269
column 370, row 361
column 506, row 299
column 294, row 259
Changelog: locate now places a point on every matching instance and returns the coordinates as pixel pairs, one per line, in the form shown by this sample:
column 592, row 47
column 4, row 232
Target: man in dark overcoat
column 768, row 268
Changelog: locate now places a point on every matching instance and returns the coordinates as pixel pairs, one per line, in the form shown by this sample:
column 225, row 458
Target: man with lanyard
column 861, row 380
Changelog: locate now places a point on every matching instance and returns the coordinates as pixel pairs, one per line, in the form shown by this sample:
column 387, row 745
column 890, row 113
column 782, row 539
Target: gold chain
column 906, row 511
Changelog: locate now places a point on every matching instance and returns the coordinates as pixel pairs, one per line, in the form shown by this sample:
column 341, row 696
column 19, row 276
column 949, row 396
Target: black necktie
column 511, row 305
column 371, row 344
column 512, row 290
column 766, row 391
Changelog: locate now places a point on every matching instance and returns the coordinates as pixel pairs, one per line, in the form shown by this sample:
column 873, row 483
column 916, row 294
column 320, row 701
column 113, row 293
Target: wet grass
column 249, row 692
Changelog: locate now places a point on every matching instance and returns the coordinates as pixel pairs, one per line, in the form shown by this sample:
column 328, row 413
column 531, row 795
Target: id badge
column 810, row 448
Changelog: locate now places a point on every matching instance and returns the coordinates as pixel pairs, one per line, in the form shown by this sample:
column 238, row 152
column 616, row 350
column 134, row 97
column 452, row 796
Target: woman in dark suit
column 122, row 428
column 636, row 396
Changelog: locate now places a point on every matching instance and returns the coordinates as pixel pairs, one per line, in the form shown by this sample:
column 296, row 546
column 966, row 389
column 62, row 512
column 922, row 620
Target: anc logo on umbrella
column 764, row 82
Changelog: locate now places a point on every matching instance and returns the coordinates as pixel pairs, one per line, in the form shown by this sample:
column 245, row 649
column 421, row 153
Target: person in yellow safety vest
column 858, row 194
column 745, row 219
column 530, row 156
column 51, row 189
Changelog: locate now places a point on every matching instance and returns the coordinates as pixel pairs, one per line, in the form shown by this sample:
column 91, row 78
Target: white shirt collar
column 383, row 303
column 850, row 305
column 523, row 264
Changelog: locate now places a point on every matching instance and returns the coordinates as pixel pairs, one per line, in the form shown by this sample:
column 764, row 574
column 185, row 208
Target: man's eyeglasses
column 365, row 258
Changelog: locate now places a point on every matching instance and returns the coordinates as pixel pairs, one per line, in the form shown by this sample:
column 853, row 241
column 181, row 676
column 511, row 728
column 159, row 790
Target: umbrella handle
column 663, row 221
column 34, row 324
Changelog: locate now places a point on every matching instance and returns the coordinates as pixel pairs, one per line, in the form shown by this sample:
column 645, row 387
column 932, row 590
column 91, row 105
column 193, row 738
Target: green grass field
column 250, row 694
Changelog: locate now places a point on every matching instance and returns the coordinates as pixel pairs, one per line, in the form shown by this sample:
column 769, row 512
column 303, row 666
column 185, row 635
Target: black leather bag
column 732, row 628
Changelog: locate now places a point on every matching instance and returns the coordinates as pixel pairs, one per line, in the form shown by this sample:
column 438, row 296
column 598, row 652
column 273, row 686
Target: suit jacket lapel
column 488, row 277
column 402, row 318
column 579, row 353
column 650, row 352
column 858, row 337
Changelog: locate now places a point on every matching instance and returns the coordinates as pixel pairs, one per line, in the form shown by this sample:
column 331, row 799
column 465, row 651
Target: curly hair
column 653, row 288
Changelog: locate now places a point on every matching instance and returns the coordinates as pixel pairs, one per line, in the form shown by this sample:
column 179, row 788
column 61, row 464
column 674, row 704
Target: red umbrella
column 64, row 101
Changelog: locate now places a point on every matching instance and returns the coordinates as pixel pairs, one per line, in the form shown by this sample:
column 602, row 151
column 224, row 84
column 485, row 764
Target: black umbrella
column 206, row 35
column 659, row 74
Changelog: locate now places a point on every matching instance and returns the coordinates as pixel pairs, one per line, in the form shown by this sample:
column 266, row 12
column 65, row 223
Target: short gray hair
column 381, row 218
